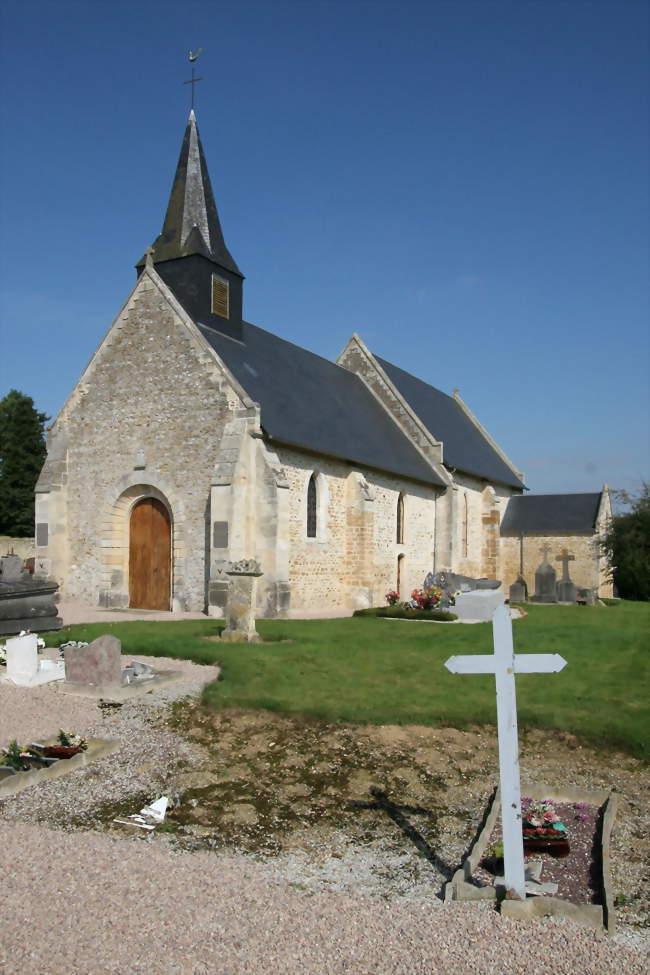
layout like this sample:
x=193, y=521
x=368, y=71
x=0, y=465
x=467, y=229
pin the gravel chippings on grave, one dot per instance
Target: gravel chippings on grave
x=150, y=754
x=282, y=856
x=108, y=905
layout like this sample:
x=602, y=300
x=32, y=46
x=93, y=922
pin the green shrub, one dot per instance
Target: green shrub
x=399, y=613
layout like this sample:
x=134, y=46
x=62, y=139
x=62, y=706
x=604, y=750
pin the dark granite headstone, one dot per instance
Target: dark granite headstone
x=98, y=663
x=545, y=576
x=518, y=590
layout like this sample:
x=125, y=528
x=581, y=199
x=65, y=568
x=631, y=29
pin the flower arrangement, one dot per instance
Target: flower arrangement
x=392, y=597
x=68, y=739
x=431, y=598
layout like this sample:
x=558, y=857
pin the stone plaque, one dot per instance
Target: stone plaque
x=220, y=534
x=42, y=533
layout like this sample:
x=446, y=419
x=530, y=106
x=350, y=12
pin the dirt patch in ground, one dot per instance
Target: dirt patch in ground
x=403, y=802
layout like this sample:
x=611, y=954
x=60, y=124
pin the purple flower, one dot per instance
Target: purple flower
x=580, y=805
x=582, y=817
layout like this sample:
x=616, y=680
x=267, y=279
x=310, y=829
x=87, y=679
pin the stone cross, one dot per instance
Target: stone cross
x=545, y=549
x=504, y=664
x=565, y=558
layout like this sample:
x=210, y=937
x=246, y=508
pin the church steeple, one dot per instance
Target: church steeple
x=192, y=223
x=190, y=254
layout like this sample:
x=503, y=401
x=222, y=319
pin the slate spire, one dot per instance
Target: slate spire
x=192, y=223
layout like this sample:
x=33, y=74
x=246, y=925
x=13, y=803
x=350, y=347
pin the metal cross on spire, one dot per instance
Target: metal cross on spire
x=193, y=80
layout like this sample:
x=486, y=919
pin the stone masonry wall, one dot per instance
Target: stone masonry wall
x=148, y=414
x=324, y=572
x=586, y=572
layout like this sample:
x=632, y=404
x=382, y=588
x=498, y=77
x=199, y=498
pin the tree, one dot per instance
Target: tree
x=22, y=454
x=627, y=546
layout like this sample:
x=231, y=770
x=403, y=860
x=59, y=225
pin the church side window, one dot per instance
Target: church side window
x=220, y=297
x=465, y=525
x=311, y=507
x=400, y=520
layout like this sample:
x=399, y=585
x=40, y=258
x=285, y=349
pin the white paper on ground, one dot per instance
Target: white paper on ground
x=156, y=810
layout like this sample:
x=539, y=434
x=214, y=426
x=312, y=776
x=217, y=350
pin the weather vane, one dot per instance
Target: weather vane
x=192, y=56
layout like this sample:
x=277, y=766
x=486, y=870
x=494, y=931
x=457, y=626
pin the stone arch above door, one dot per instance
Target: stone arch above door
x=114, y=591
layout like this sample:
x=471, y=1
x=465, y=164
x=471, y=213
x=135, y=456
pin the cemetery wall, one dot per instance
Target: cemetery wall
x=587, y=571
x=144, y=420
x=25, y=547
x=352, y=561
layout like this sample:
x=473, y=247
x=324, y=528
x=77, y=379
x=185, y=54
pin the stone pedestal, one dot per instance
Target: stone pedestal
x=240, y=608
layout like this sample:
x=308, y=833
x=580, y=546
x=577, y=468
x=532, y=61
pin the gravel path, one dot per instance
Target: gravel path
x=81, y=901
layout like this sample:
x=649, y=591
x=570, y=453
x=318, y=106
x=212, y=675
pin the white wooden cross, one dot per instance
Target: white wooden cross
x=504, y=664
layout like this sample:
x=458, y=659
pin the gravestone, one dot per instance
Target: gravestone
x=504, y=663
x=545, y=576
x=518, y=590
x=567, y=592
x=97, y=663
x=23, y=666
x=22, y=659
x=240, y=608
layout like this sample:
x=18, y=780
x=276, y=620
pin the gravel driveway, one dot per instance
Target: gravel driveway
x=83, y=900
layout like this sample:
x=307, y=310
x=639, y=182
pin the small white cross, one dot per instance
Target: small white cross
x=504, y=664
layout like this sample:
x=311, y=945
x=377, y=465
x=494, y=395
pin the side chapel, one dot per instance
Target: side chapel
x=195, y=438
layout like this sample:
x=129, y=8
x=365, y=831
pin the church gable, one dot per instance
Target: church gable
x=145, y=420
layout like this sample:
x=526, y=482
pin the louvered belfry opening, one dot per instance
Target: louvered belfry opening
x=220, y=297
x=311, y=507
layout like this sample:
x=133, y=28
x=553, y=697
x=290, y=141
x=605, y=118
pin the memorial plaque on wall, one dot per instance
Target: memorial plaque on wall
x=220, y=534
x=41, y=533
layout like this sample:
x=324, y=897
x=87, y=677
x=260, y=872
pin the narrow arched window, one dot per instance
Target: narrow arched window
x=465, y=525
x=311, y=507
x=400, y=520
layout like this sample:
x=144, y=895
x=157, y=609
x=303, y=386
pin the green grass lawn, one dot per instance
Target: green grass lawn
x=391, y=672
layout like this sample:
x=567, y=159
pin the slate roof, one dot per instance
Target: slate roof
x=464, y=446
x=551, y=514
x=309, y=402
x=192, y=223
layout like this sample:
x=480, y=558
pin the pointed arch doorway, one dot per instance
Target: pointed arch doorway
x=149, y=555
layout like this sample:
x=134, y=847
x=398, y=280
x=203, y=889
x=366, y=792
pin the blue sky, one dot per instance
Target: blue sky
x=464, y=184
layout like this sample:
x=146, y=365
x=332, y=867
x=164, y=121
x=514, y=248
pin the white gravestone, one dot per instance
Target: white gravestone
x=504, y=664
x=23, y=665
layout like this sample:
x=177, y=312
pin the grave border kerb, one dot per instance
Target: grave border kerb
x=97, y=748
x=600, y=916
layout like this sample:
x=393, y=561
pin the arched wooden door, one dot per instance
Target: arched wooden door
x=150, y=555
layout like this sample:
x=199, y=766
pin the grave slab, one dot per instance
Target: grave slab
x=479, y=604
x=120, y=693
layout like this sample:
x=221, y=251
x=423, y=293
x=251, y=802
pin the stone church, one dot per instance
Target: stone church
x=195, y=438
